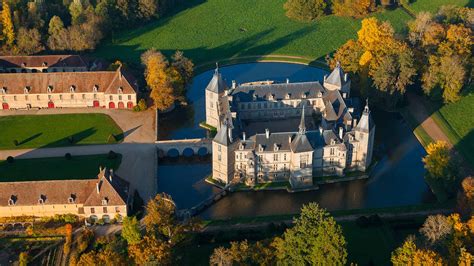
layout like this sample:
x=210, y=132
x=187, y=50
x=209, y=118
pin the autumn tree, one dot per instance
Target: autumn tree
x=438, y=161
x=151, y=250
x=131, y=230
x=315, y=239
x=352, y=8
x=465, y=201
x=184, y=66
x=157, y=79
x=23, y=259
x=221, y=257
x=58, y=36
x=7, y=24
x=410, y=254
x=305, y=10
x=147, y=9
x=29, y=41
x=436, y=231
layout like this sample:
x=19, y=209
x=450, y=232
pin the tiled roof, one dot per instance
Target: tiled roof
x=61, y=82
x=279, y=91
x=42, y=61
x=59, y=191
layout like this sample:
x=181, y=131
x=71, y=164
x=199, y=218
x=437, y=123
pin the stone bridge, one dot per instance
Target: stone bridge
x=184, y=147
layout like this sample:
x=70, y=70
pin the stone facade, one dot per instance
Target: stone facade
x=105, y=89
x=101, y=198
x=257, y=141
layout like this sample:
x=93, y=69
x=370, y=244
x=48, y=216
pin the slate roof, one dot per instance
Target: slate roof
x=217, y=83
x=365, y=122
x=61, y=82
x=42, y=61
x=336, y=77
x=222, y=136
x=334, y=105
x=279, y=91
x=59, y=191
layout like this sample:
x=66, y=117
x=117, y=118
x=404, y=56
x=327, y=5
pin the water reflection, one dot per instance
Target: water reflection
x=397, y=179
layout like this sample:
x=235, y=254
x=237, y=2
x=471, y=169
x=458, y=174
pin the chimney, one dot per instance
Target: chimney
x=234, y=84
x=229, y=131
x=346, y=77
x=267, y=133
x=111, y=171
x=289, y=139
x=325, y=77
x=344, y=95
x=243, y=136
x=97, y=187
x=354, y=122
x=341, y=132
x=320, y=130
x=287, y=80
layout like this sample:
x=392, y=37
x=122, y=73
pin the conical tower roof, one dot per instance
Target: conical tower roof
x=336, y=77
x=365, y=123
x=217, y=83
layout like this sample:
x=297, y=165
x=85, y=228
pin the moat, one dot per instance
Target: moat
x=396, y=180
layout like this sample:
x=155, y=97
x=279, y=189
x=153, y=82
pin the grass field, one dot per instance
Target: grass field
x=433, y=5
x=32, y=131
x=208, y=31
x=56, y=168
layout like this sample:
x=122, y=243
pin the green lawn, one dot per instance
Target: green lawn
x=32, y=131
x=222, y=29
x=433, y=5
x=457, y=121
x=56, y=168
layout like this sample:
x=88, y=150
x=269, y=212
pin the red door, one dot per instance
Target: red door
x=50, y=105
x=111, y=105
x=95, y=103
x=121, y=105
x=129, y=105
x=5, y=106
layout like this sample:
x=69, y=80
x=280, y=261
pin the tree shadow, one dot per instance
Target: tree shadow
x=71, y=140
x=123, y=135
x=30, y=138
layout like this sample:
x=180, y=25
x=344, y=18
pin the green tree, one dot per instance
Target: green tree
x=29, y=41
x=305, y=10
x=315, y=239
x=7, y=24
x=77, y=12
x=438, y=160
x=131, y=230
x=58, y=36
x=184, y=66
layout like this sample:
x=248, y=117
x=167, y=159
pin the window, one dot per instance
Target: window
x=26, y=97
x=3, y=90
x=219, y=147
x=111, y=98
x=37, y=97
x=72, y=96
x=92, y=210
x=249, y=106
x=49, y=97
x=104, y=201
x=83, y=96
x=14, y=98
x=104, y=209
x=284, y=156
x=275, y=157
x=303, y=161
x=95, y=88
x=120, y=97
x=219, y=157
x=332, y=151
x=129, y=97
x=60, y=97
x=275, y=167
x=95, y=96
x=50, y=89
x=117, y=209
x=72, y=89
x=120, y=90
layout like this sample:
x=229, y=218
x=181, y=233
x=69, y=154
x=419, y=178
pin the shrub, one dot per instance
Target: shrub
x=23, y=259
x=68, y=156
x=84, y=240
x=100, y=221
x=305, y=10
x=10, y=159
x=141, y=106
x=112, y=155
x=15, y=142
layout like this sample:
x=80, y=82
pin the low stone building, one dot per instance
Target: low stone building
x=292, y=132
x=106, y=89
x=42, y=63
x=101, y=198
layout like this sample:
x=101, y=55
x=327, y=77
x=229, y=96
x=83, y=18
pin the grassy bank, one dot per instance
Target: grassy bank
x=218, y=30
x=418, y=130
x=33, y=131
x=56, y=168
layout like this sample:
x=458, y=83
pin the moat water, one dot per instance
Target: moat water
x=396, y=180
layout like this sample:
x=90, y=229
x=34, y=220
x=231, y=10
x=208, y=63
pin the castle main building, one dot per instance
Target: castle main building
x=270, y=132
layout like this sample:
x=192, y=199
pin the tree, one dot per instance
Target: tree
x=23, y=259
x=221, y=257
x=58, y=36
x=184, y=66
x=437, y=161
x=29, y=41
x=466, y=197
x=151, y=251
x=315, y=239
x=305, y=10
x=147, y=8
x=77, y=12
x=7, y=24
x=157, y=79
x=409, y=254
x=131, y=230
x=348, y=55
x=436, y=229
x=353, y=8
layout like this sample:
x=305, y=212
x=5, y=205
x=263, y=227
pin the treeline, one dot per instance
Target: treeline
x=436, y=54
x=308, y=10
x=29, y=27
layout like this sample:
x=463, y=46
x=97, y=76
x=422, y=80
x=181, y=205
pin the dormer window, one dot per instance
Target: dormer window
x=3, y=90
x=44, y=64
x=333, y=142
x=288, y=95
x=105, y=201
x=254, y=97
x=50, y=89
x=304, y=95
x=260, y=147
x=320, y=94
x=72, y=89
x=41, y=199
x=241, y=146
x=120, y=90
x=23, y=64
x=27, y=89
x=71, y=198
x=11, y=200
x=95, y=88
x=275, y=147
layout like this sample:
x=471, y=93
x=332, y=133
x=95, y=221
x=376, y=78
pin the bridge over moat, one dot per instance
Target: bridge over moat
x=200, y=146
